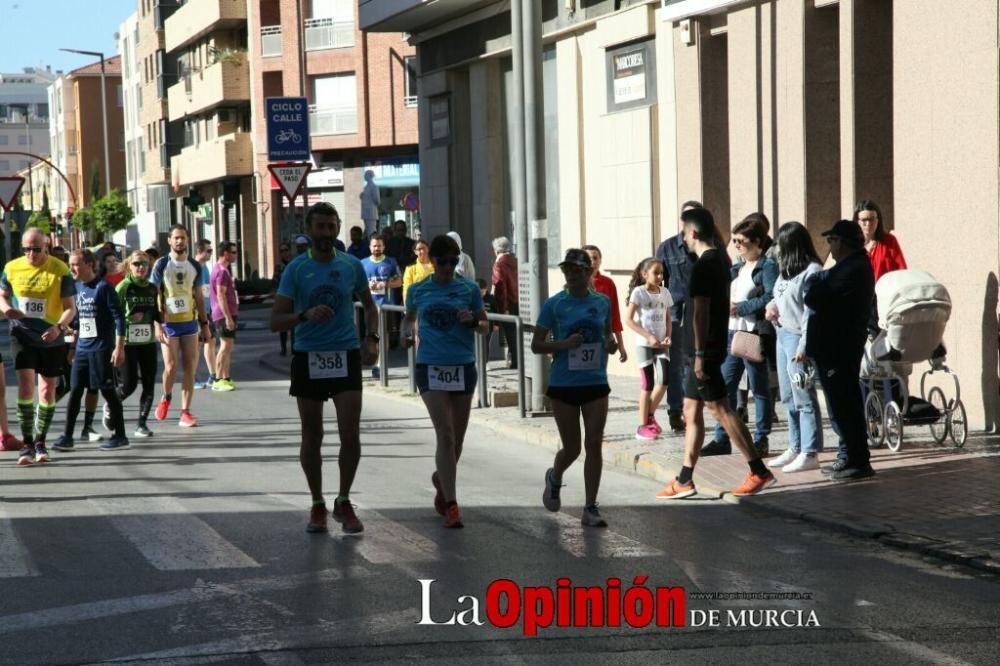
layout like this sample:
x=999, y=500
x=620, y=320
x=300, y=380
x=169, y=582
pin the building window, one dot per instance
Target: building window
x=3, y=139
x=121, y=98
x=22, y=140
x=335, y=105
x=4, y=166
x=410, y=81
x=331, y=25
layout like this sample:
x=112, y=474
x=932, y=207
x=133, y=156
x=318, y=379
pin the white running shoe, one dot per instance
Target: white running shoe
x=788, y=456
x=802, y=463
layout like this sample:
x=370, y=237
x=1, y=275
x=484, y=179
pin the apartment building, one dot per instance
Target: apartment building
x=141, y=232
x=210, y=103
x=24, y=119
x=77, y=137
x=38, y=183
x=794, y=108
x=362, y=97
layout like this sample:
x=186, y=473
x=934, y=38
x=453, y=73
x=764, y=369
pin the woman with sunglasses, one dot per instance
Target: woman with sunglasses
x=579, y=320
x=449, y=310
x=142, y=319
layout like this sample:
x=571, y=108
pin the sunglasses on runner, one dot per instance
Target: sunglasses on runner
x=140, y=264
x=27, y=250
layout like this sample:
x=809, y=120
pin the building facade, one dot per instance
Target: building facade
x=210, y=104
x=796, y=108
x=361, y=89
x=77, y=135
x=24, y=121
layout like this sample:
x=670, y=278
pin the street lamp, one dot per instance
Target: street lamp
x=104, y=115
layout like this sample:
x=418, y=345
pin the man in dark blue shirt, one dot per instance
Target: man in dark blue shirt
x=841, y=301
x=100, y=345
x=677, y=263
x=358, y=247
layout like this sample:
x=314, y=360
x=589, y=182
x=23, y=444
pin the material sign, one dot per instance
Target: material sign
x=10, y=186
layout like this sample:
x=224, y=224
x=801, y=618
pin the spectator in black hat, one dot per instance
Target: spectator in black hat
x=841, y=301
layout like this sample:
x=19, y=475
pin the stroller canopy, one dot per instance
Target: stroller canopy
x=913, y=308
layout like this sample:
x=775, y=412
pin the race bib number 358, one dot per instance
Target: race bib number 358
x=585, y=357
x=327, y=365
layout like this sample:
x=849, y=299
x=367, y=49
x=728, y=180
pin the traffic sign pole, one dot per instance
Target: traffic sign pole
x=288, y=138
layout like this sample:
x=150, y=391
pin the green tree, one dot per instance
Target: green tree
x=39, y=219
x=83, y=219
x=45, y=201
x=111, y=213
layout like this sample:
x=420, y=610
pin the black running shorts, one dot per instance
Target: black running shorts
x=313, y=388
x=710, y=389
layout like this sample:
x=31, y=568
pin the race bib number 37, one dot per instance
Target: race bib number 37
x=33, y=307
x=327, y=365
x=585, y=357
x=446, y=378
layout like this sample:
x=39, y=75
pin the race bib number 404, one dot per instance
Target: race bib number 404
x=327, y=365
x=33, y=307
x=446, y=378
x=585, y=357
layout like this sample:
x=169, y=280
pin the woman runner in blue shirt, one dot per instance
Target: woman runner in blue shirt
x=579, y=320
x=450, y=312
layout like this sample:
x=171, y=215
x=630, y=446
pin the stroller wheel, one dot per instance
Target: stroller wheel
x=939, y=429
x=893, y=426
x=958, y=425
x=875, y=420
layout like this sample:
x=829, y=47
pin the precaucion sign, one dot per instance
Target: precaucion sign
x=287, y=129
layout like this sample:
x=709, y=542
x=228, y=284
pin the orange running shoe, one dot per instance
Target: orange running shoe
x=753, y=484
x=162, y=409
x=453, y=517
x=10, y=443
x=187, y=420
x=317, y=519
x=677, y=490
x=343, y=513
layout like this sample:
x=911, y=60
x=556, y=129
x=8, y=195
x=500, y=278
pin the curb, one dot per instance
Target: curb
x=627, y=460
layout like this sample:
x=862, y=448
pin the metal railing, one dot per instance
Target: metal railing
x=327, y=33
x=482, y=354
x=333, y=120
x=270, y=40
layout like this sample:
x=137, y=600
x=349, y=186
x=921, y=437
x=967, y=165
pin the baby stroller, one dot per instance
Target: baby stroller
x=913, y=310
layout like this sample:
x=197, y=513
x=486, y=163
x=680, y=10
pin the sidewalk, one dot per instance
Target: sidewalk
x=937, y=500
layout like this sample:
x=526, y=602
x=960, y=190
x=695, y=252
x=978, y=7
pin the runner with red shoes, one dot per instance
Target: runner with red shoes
x=315, y=298
x=449, y=310
x=185, y=322
x=707, y=322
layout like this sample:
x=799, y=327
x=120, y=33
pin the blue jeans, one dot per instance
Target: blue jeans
x=757, y=374
x=677, y=368
x=805, y=419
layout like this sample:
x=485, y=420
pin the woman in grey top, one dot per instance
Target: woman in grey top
x=797, y=260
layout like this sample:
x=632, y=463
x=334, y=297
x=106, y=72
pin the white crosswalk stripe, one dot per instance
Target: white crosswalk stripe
x=15, y=561
x=169, y=537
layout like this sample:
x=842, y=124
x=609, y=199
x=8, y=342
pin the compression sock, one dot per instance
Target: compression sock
x=43, y=419
x=758, y=467
x=685, y=475
x=26, y=415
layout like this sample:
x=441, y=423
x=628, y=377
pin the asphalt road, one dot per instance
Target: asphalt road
x=190, y=548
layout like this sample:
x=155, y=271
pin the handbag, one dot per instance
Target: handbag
x=747, y=345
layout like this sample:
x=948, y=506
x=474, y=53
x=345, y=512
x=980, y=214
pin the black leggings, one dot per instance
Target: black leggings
x=140, y=360
x=110, y=397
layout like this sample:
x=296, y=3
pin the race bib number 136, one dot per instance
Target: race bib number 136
x=33, y=307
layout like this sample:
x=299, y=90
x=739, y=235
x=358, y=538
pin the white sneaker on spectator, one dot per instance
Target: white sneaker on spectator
x=788, y=456
x=802, y=463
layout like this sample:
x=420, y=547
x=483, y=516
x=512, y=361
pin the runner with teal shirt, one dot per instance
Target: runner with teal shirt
x=579, y=320
x=449, y=310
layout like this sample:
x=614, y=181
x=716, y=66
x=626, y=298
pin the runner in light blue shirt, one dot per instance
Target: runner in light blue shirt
x=449, y=310
x=579, y=320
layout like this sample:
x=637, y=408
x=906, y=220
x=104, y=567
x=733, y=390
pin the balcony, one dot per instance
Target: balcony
x=332, y=120
x=162, y=10
x=270, y=40
x=194, y=20
x=228, y=156
x=220, y=84
x=327, y=33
